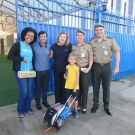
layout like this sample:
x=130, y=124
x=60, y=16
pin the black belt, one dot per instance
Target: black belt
x=43, y=71
x=102, y=64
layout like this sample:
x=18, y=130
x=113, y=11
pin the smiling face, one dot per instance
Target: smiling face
x=62, y=39
x=43, y=38
x=28, y=37
x=99, y=31
x=79, y=37
x=72, y=60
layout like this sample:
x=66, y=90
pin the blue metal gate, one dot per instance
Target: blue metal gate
x=123, y=30
x=53, y=16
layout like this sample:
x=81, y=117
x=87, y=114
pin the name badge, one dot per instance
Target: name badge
x=105, y=52
x=82, y=54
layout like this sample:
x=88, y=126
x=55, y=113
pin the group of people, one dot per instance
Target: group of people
x=72, y=66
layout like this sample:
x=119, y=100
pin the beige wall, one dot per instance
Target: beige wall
x=0, y=45
x=9, y=42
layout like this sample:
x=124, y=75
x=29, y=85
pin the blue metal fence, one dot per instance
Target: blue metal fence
x=54, y=16
x=123, y=30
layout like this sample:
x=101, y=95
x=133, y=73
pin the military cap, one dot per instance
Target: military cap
x=81, y=31
x=98, y=25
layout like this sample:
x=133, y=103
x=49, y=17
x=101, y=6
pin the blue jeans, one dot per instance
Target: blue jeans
x=24, y=101
x=42, y=79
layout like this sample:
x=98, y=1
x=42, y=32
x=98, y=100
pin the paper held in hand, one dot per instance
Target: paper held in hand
x=83, y=69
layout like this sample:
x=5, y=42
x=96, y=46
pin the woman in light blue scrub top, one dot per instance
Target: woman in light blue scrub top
x=21, y=54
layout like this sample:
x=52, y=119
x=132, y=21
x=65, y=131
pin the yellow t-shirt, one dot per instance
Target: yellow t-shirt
x=71, y=77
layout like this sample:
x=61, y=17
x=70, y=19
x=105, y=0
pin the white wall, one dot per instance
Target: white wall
x=122, y=7
x=109, y=5
x=134, y=10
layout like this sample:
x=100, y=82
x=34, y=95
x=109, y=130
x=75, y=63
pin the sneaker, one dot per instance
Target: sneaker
x=69, y=113
x=75, y=114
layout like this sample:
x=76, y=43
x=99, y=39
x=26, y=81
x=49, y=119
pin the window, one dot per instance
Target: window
x=111, y=5
x=125, y=4
x=118, y=5
x=130, y=7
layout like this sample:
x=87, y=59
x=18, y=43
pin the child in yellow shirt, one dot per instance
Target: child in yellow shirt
x=72, y=81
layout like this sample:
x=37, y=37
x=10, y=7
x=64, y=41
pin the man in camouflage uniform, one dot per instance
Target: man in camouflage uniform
x=102, y=47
